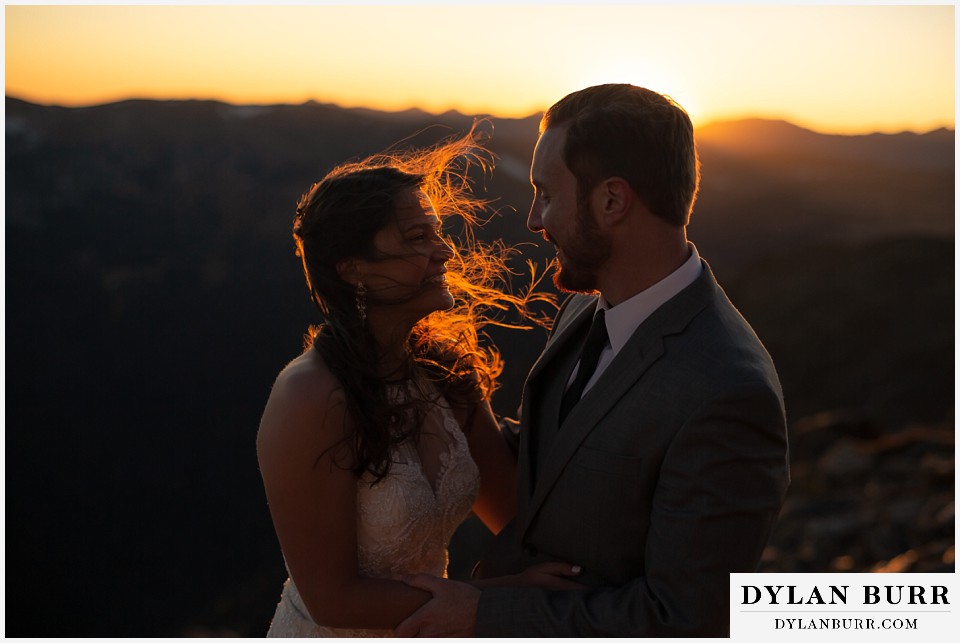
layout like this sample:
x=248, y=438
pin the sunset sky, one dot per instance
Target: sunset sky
x=837, y=68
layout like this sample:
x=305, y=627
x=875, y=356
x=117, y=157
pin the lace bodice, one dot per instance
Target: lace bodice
x=403, y=525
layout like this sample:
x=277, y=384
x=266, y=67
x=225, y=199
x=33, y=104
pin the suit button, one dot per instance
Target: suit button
x=530, y=550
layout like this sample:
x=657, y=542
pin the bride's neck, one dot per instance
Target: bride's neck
x=392, y=348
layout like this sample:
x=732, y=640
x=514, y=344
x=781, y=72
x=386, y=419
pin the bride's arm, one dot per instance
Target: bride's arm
x=313, y=502
x=496, y=504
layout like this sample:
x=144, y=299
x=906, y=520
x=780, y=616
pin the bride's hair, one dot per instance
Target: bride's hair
x=336, y=220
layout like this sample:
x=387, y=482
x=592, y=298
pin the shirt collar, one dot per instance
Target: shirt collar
x=624, y=318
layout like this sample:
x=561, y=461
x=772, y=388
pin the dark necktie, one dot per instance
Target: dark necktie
x=589, y=356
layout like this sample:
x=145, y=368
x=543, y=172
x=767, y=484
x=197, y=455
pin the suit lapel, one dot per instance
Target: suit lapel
x=578, y=310
x=643, y=349
x=572, y=316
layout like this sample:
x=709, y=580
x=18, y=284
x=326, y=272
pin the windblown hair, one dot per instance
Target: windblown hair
x=336, y=220
x=636, y=134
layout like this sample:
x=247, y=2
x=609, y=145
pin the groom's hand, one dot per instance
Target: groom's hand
x=451, y=612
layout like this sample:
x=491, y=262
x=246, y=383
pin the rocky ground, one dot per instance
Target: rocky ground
x=866, y=498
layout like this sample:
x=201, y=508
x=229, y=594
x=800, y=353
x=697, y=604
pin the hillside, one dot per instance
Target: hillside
x=153, y=294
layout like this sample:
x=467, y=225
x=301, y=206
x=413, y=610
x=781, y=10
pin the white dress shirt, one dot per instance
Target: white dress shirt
x=624, y=318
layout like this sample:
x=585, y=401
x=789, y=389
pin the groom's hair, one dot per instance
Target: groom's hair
x=633, y=133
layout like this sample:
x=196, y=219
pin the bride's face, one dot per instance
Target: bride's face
x=406, y=279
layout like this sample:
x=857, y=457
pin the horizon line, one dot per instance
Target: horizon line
x=536, y=114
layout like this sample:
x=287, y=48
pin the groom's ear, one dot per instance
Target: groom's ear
x=612, y=200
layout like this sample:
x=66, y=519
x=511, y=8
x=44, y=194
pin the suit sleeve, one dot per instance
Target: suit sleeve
x=721, y=486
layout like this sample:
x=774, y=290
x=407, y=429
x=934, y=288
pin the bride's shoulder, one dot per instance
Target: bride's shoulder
x=305, y=397
x=307, y=374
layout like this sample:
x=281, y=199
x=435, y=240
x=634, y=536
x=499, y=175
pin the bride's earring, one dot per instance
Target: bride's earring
x=361, y=296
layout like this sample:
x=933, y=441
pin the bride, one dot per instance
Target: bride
x=379, y=439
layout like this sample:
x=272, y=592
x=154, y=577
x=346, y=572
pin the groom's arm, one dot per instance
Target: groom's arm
x=720, y=489
x=452, y=610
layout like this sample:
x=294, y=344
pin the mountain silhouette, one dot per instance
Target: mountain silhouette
x=757, y=137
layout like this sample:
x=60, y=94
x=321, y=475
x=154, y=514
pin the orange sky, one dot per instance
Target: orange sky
x=843, y=68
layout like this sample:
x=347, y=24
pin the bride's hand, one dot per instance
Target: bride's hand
x=549, y=576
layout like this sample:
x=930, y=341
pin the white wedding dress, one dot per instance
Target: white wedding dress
x=403, y=525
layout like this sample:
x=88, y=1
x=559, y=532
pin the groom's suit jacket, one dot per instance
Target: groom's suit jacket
x=666, y=477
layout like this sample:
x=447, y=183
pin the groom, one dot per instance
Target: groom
x=653, y=446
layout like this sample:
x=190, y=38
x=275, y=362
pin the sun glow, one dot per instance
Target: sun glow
x=868, y=68
x=660, y=79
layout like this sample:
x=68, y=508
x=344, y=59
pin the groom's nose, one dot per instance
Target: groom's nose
x=534, y=223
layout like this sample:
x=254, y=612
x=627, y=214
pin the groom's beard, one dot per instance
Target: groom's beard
x=583, y=253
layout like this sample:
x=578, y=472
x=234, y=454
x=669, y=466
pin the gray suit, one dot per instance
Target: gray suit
x=666, y=477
